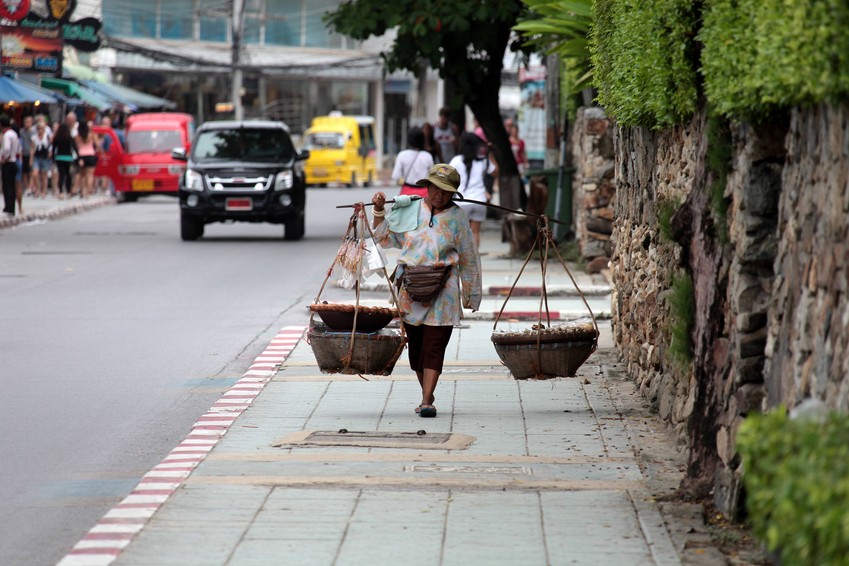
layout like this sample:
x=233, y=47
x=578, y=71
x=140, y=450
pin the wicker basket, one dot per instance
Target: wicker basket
x=547, y=353
x=372, y=354
x=340, y=316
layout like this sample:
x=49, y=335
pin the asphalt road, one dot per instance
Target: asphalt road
x=115, y=336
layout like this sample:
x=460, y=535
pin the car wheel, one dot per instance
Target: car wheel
x=294, y=228
x=191, y=227
x=322, y=185
x=127, y=197
x=369, y=180
x=353, y=182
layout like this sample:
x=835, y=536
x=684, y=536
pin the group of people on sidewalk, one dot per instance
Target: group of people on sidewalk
x=469, y=153
x=38, y=159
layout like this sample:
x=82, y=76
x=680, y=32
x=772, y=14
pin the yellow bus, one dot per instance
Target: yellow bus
x=342, y=150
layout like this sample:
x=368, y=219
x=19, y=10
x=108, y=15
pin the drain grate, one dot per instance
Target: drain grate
x=378, y=439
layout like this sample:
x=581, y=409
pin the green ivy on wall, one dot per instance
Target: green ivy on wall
x=759, y=55
x=643, y=57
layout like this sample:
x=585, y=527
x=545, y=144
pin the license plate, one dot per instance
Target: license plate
x=238, y=204
x=142, y=184
x=319, y=172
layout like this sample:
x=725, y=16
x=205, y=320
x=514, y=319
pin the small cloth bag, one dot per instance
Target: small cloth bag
x=423, y=283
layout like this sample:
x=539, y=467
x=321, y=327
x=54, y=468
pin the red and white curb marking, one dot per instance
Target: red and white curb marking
x=112, y=533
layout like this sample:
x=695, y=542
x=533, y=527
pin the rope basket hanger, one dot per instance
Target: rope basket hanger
x=360, y=353
x=544, y=351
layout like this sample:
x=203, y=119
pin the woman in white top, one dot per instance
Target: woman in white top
x=472, y=169
x=412, y=164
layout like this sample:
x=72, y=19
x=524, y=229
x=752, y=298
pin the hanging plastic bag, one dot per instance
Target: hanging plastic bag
x=374, y=259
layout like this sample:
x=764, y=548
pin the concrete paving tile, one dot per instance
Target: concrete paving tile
x=389, y=548
x=260, y=552
x=318, y=530
x=482, y=529
x=391, y=527
x=593, y=527
x=202, y=546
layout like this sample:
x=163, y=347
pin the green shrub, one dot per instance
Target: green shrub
x=666, y=209
x=759, y=55
x=643, y=58
x=796, y=474
x=682, y=310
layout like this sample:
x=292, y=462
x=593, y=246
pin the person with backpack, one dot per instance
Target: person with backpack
x=473, y=169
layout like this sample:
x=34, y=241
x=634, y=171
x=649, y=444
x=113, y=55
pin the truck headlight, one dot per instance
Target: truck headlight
x=176, y=169
x=194, y=180
x=129, y=169
x=284, y=180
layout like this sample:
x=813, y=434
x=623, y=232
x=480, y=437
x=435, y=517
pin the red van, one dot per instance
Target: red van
x=146, y=166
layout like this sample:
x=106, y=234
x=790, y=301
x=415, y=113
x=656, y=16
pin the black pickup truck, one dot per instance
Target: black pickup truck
x=245, y=171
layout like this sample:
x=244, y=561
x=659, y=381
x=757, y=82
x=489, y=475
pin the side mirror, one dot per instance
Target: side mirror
x=363, y=151
x=179, y=153
x=303, y=155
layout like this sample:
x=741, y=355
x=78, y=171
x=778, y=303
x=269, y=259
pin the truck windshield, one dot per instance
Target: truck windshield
x=262, y=145
x=153, y=141
x=325, y=140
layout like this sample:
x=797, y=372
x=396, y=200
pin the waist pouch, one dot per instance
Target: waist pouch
x=423, y=282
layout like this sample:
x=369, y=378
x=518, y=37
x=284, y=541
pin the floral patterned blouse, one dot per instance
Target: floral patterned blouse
x=448, y=242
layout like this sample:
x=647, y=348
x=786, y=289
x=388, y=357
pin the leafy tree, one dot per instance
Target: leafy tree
x=561, y=27
x=465, y=40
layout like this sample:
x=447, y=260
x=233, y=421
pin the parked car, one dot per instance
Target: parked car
x=342, y=150
x=111, y=158
x=244, y=171
x=147, y=167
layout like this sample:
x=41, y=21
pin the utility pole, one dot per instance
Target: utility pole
x=236, y=57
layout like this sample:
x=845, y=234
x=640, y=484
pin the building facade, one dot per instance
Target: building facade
x=294, y=68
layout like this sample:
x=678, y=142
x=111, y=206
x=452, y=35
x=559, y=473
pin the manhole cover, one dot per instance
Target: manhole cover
x=378, y=439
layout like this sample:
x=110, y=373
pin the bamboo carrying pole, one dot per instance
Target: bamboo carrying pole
x=461, y=199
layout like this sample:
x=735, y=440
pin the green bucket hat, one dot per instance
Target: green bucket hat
x=443, y=176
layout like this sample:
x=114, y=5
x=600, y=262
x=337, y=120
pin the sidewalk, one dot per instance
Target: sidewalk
x=36, y=209
x=564, y=471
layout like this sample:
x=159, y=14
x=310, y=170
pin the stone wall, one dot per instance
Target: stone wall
x=808, y=328
x=753, y=190
x=593, y=186
x=774, y=327
x=651, y=168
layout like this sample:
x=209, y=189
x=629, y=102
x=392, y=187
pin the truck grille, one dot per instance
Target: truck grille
x=239, y=184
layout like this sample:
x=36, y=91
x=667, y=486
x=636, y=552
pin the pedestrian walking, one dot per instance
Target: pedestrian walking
x=41, y=163
x=473, y=168
x=430, y=144
x=412, y=163
x=9, y=151
x=517, y=145
x=87, y=147
x=447, y=135
x=25, y=135
x=63, y=158
x=434, y=236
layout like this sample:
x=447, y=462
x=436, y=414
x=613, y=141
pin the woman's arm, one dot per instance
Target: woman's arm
x=470, y=267
x=379, y=208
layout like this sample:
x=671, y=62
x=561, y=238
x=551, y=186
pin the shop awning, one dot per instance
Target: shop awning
x=130, y=96
x=88, y=96
x=22, y=93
